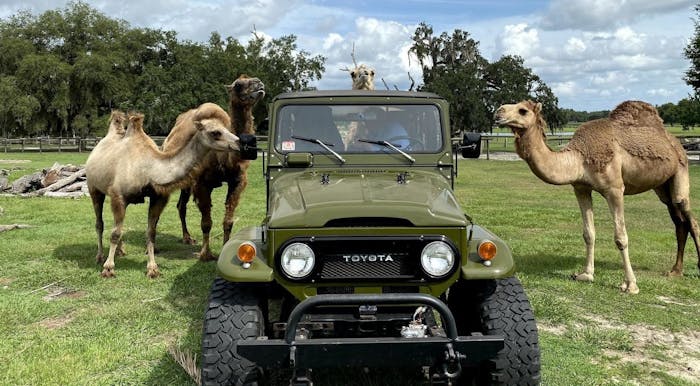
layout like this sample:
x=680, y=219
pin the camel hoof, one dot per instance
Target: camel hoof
x=121, y=252
x=107, y=273
x=152, y=273
x=100, y=259
x=206, y=256
x=630, y=288
x=674, y=273
x=189, y=240
x=584, y=276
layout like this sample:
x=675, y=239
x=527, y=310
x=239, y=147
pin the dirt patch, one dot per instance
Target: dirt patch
x=6, y=281
x=675, y=353
x=57, y=292
x=57, y=322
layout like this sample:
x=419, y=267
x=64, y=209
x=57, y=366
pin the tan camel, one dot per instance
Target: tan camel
x=134, y=168
x=218, y=168
x=627, y=153
x=362, y=76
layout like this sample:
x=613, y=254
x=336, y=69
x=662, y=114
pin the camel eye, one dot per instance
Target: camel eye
x=522, y=112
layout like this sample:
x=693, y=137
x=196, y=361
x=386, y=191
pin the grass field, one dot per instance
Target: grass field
x=62, y=324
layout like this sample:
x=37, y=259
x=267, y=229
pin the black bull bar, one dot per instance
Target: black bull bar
x=371, y=352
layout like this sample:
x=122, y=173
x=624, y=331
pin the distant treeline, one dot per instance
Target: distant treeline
x=62, y=72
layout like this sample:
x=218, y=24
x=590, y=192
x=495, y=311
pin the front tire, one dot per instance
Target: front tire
x=499, y=307
x=235, y=311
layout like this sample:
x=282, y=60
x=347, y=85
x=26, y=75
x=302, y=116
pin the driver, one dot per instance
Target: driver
x=380, y=129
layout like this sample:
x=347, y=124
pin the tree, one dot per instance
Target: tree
x=688, y=112
x=692, y=52
x=68, y=68
x=454, y=68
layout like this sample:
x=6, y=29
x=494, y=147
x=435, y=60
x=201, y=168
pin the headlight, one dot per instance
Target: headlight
x=297, y=260
x=437, y=258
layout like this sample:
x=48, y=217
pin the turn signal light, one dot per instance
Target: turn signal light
x=246, y=252
x=487, y=250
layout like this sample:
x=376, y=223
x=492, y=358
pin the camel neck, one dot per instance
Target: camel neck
x=553, y=167
x=241, y=119
x=174, y=166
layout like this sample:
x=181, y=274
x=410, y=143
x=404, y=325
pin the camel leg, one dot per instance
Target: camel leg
x=155, y=208
x=182, y=211
x=615, y=199
x=118, y=211
x=98, y=200
x=202, y=196
x=233, y=197
x=680, y=224
x=585, y=203
x=680, y=196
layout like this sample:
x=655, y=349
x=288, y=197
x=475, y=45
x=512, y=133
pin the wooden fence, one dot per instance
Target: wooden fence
x=54, y=144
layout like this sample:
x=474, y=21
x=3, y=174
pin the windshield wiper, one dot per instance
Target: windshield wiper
x=323, y=145
x=390, y=146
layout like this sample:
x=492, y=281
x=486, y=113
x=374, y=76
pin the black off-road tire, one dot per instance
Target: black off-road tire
x=235, y=311
x=499, y=307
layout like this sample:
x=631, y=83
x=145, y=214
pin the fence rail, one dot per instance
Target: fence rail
x=54, y=144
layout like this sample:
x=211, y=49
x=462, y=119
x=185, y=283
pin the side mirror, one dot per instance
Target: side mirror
x=471, y=145
x=249, y=146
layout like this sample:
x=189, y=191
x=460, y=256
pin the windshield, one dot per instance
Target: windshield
x=359, y=129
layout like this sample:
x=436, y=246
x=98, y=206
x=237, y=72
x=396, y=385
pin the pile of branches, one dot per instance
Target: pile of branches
x=58, y=181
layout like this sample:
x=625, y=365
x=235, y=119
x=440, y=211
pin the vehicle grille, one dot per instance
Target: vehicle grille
x=381, y=259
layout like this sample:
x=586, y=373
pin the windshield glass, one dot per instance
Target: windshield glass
x=359, y=128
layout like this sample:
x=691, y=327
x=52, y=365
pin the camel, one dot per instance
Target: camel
x=629, y=152
x=362, y=76
x=218, y=168
x=134, y=168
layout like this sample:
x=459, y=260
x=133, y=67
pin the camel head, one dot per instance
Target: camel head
x=117, y=122
x=520, y=117
x=362, y=78
x=246, y=90
x=214, y=128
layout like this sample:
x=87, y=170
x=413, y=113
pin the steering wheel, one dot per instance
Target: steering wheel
x=414, y=143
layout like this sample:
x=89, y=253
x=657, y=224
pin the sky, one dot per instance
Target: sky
x=594, y=54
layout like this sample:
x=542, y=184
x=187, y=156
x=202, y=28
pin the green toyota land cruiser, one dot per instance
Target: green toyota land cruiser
x=365, y=258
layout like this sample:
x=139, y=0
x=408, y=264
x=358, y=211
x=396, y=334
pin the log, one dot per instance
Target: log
x=75, y=194
x=57, y=185
x=27, y=183
x=52, y=175
x=5, y=228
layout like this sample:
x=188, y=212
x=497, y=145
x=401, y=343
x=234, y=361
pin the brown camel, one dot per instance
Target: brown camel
x=218, y=168
x=134, y=168
x=627, y=153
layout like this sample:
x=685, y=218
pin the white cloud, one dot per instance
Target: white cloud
x=592, y=15
x=518, y=39
x=567, y=88
x=575, y=46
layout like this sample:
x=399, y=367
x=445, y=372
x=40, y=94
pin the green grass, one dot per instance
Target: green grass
x=97, y=331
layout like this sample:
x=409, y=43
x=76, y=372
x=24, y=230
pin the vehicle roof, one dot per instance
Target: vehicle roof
x=357, y=93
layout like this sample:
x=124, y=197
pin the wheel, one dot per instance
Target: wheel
x=235, y=311
x=499, y=307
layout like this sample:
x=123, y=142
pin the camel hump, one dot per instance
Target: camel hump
x=135, y=123
x=210, y=110
x=117, y=122
x=637, y=113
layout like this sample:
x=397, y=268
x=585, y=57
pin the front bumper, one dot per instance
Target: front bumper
x=451, y=350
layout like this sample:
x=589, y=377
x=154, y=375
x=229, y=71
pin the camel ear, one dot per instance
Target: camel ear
x=538, y=108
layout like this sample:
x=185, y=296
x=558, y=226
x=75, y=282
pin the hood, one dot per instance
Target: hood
x=312, y=199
